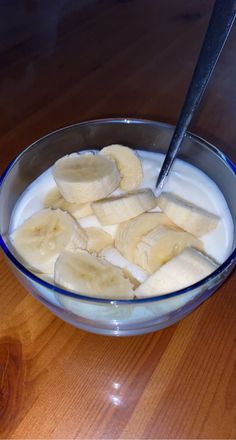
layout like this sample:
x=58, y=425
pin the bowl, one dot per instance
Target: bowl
x=103, y=316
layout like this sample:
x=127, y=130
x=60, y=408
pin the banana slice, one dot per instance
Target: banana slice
x=97, y=239
x=129, y=233
x=118, y=209
x=135, y=273
x=84, y=178
x=42, y=237
x=92, y=222
x=160, y=245
x=186, y=215
x=55, y=200
x=128, y=164
x=86, y=274
x=185, y=269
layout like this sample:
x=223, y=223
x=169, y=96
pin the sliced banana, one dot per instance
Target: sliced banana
x=86, y=274
x=182, y=271
x=186, y=215
x=135, y=273
x=85, y=178
x=55, y=200
x=97, y=239
x=42, y=237
x=121, y=208
x=135, y=283
x=92, y=222
x=129, y=233
x=161, y=244
x=128, y=164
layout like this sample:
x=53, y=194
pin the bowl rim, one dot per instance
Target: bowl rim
x=124, y=120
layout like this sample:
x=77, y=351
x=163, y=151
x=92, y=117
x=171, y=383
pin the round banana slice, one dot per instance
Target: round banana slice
x=134, y=272
x=85, y=178
x=55, y=200
x=128, y=164
x=42, y=237
x=97, y=239
x=184, y=270
x=130, y=232
x=118, y=209
x=86, y=274
x=92, y=222
x=186, y=215
x=161, y=244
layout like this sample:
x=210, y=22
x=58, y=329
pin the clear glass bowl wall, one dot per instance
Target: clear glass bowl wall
x=118, y=318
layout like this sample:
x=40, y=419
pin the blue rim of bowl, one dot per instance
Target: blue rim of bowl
x=227, y=263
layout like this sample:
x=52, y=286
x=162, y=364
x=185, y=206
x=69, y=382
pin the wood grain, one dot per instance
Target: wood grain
x=63, y=61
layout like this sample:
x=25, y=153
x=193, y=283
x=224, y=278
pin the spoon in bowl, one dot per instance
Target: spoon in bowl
x=219, y=27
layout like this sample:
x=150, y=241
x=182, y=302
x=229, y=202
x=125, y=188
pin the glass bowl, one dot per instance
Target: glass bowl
x=109, y=317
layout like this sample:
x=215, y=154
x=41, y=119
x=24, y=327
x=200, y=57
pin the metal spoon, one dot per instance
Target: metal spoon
x=219, y=27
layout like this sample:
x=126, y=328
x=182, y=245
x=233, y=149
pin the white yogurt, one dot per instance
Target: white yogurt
x=186, y=181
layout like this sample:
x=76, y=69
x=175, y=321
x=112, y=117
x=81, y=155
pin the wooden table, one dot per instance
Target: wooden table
x=64, y=61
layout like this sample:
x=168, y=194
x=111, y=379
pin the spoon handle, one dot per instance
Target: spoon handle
x=218, y=30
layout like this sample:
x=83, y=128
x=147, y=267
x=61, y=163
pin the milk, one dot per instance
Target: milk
x=184, y=180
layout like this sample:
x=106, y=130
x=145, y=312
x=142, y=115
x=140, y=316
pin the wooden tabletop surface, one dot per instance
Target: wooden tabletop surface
x=64, y=61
